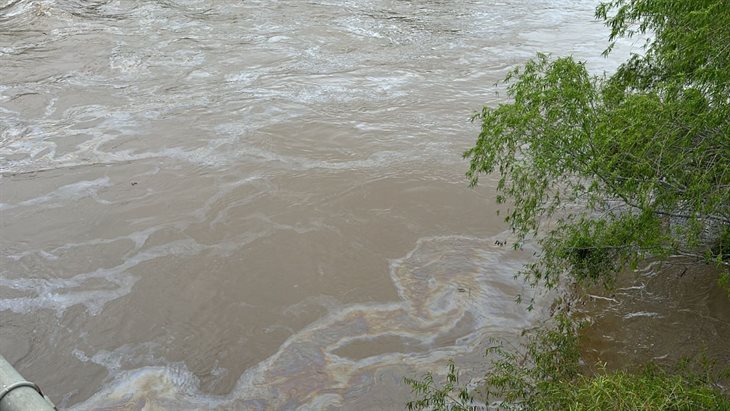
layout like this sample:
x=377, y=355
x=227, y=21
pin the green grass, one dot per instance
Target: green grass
x=652, y=389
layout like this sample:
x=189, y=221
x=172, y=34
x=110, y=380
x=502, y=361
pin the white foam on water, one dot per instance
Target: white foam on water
x=641, y=314
x=74, y=191
x=59, y=294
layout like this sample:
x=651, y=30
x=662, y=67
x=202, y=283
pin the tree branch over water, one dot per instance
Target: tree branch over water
x=655, y=136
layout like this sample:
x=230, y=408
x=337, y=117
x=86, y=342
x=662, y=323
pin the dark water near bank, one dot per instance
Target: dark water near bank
x=665, y=314
x=255, y=204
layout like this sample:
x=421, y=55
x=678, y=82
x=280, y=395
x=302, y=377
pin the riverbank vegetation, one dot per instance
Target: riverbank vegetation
x=604, y=172
x=546, y=374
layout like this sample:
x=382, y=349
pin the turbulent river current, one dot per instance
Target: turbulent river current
x=256, y=205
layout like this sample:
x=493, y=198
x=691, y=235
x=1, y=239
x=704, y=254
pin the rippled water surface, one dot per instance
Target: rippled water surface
x=255, y=204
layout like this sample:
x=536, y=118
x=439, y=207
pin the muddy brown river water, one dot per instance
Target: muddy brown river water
x=256, y=205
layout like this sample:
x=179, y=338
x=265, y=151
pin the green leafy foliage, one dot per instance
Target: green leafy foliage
x=449, y=396
x=519, y=377
x=604, y=171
